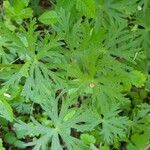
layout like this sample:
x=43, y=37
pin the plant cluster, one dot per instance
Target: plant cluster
x=74, y=74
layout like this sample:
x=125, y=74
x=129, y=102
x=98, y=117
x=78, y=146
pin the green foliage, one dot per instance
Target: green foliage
x=68, y=119
x=16, y=10
x=75, y=76
x=86, y=7
x=113, y=126
x=49, y=17
x=5, y=109
x=88, y=139
x=11, y=139
x=139, y=141
x=1, y=145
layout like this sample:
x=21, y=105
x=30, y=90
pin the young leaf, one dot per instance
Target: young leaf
x=49, y=17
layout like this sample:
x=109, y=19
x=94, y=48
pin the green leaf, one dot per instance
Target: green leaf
x=74, y=84
x=141, y=117
x=6, y=110
x=137, y=78
x=10, y=138
x=139, y=141
x=69, y=115
x=49, y=17
x=105, y=147
x=19, y=144
x=113, y=126
x=1, y=145
x=88, y=139
x=17, y=10
x=86, y=7
x=61, y=126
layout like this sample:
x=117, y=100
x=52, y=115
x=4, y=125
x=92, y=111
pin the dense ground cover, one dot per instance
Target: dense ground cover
x=74, y=74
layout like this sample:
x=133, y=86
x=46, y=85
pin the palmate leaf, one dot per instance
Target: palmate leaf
x=141, y=117
x=85, y=7
x=15, y=79
x=114, y=127
x=64, y=23
x=111, y=77
x=27, y=43
x=114, y=11
x=35, y=71
x=112, y=68
x=39, y=83
x=63, y=123
x=38, y=80
x=120, y=41
x=101, y=61
x=90, y=52
x=17, y=42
